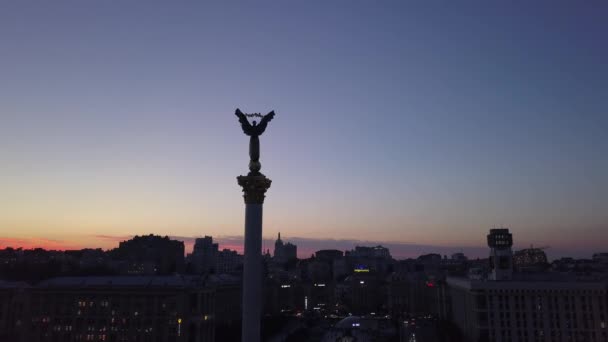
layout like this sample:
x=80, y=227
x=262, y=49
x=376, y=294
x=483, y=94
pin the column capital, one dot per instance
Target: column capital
x=254, y=188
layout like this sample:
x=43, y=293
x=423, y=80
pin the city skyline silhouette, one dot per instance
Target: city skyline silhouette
x=425, y=124
x=433, y=171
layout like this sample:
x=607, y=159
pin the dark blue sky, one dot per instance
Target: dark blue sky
x=409, y=122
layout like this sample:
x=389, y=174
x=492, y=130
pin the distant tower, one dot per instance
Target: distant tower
x=278, y=248
x=501, y=255
x=284, y=252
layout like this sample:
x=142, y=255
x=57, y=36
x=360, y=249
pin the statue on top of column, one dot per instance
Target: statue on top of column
x=254, y=131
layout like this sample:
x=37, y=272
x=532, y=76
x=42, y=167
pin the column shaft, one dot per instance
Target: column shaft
x=252, y=274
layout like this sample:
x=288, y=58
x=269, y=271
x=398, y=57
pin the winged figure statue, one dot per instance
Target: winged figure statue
x=254, y=130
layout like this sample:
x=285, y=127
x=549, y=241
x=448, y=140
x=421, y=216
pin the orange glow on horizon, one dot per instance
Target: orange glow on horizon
x=48, y=244
x=98, y=241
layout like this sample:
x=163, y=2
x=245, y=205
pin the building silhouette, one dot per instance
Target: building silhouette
x=501, y=255
x=149, y=254
x=229, y=261
x=204, y=255
x=120, y=308
x=284, y=252
x=13, y=311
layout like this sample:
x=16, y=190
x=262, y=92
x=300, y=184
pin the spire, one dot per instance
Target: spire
x=278, y=244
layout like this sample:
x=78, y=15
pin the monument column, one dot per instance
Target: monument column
x=254, y=187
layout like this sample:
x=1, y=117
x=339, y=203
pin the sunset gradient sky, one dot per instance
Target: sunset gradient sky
x=411, y=123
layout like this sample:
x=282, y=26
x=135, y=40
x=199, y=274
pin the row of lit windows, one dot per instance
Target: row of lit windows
x=112, y=321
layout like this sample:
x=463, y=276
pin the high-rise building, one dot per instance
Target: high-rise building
x=501, y=255
x=369, y=252
x=278, y=246
x=290, y=251
x=527, y=307
x=377, y=259
x=149, y=254
x=229, y=261
x=204, y=255
x=122, y=308
x=516, y=311
x=334, y=259
x=284, y=252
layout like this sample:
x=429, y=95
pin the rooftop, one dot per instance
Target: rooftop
x=547, y=283
x=122, y=281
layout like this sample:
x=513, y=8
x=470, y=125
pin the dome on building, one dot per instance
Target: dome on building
x=530, y=258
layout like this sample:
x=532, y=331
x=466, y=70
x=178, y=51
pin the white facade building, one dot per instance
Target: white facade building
x=530, y=310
